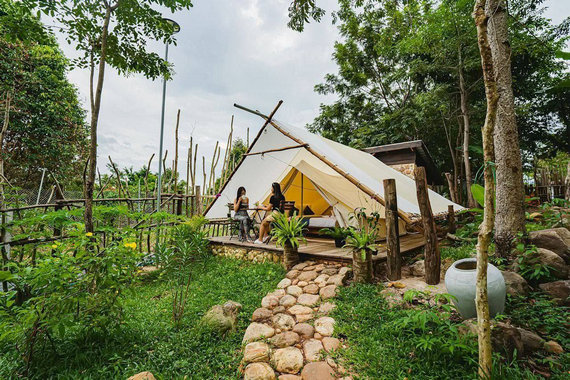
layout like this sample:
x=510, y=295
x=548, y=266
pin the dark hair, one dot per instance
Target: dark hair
x=277, y=190
x=240, y=189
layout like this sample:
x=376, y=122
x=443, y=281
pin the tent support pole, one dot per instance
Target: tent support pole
x=302, y=189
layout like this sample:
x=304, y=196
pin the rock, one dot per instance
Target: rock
x=256, y=352
x=307, y=276
x=279, y=309
x=288, y=360
x=277, y=293
x=222, y=318
x=515, y=283
x=418, y=268
x=553, y=347
x=330, y=344
x=547, y=257
x=285, y=339
x=300, y=266
x=558, y=290
x=299, y=309
x=146, y=375
x=326, y=307
x=327, y=292
x=292, y=274
x=302, y=284
x=344, y=271
x=324, y=326
x=531, y=341
x=337, y=279
x=284, y=283
x=311, y=289
x=256, y=331
x=283, y=321
x=289, y=377
x=303, y=317
x=321, y=279
x=305, y=330
x=393, y=297
x=319, y=267
x=287, y=301
x=294, y=290
x=317, y=371
x=269, y=302
x=258, y=371
x=308, y=299
x=556, y=240
x=261, y=314
x=312, y=349
x=506, y=338
x=318, y=336
x=329, y=271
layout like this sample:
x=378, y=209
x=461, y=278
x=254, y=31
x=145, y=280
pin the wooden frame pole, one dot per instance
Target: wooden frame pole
x=394, y=258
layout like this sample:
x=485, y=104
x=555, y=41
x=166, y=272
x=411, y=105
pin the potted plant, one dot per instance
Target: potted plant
x=339, y=234
x=362, y=243
x=288, y=233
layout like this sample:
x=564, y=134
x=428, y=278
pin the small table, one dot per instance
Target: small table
x=257, y=214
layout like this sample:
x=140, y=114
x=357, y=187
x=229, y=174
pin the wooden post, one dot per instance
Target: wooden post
x=198, y=201
x=431, y=249
x=452, y=189
x=179, y=203
x=451, y=219
x=394, y=260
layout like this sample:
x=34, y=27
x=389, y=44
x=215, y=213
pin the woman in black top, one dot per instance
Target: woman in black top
x=241, y=204
x=275, y=205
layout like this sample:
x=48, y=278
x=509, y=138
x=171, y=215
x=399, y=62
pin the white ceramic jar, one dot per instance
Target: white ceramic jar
x=460, y=281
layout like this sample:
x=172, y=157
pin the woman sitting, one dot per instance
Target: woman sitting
x=275, y=205
x=241, y=204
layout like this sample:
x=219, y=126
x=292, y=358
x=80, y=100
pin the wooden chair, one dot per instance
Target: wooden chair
x=235, y=224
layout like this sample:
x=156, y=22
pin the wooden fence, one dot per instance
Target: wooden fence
x=548, y=183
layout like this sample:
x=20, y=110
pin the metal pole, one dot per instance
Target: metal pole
x=41, y=186
x=158, y=190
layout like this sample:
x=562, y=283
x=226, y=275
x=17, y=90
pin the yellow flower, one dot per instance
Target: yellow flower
x=132, y=245
x=89, y=234
x=54, y=246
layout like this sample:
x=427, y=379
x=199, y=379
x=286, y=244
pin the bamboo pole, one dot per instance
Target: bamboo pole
x=394, y=259
x=175, y=173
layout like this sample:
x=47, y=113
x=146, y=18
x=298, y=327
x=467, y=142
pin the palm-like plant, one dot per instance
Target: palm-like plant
x=362, y=242
x=288, y=233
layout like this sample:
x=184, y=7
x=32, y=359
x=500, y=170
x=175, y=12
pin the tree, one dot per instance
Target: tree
x=44, y=121
x=113, y=33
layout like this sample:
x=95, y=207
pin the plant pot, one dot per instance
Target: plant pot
x=290, y=256
x=460, y=281
x=339, y=242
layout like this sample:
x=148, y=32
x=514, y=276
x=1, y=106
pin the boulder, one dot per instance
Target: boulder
x=300, y=309
x=257, y=331
x=330, y=344
x=325, y=326
x=288, y=360
x=261, y=314
x=258, y=371
x=269, y=302
x=256, y=352
x=285, y=339
x=305, y=330
x=146, y=375
x=558, y=290
x=284, y=283
x=418, y=268
x=294, y=290
x=327, y=292
x=312, y=349
x=308, y=276
x=547, y=257
x=506, y=338
x=337, y=279
x=531, y=341
x=329, y=271
x=292, y=274
x=515, y=283
x=556, y=240
x=222, y=318
x=318, y=371
x=287, y=301
x=311, y=289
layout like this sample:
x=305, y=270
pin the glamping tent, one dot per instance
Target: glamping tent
x=326, y=179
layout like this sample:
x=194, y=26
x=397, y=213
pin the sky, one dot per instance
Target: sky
x=227, y=52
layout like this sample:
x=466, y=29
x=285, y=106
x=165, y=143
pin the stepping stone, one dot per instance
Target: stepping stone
x=319, y=267
x=283, y=321
x=337, y=279
x=317, y=371
x=279, y=309
x=329, y=271
x=330, y=344
x=292, y=274
x=277, y=293
x=269, y=302
x=309, y=268
x=284, y=283
x=327, y=292
x=302, y=283
x=261, y=314
x=324, y=326
x=258, y=371
x=288, y=301
x=285, y=339
x=308, y=299
x=294, y=290
x=326, y=307
x=288, y=360
x=300, y=266
x=305, y=330
x=257, y=331
x=289, y=377
x=322, y=279
x=312, y=349
x=299, y=309
x=307, y=276
x=256, y=352
x=303, y=317
x=344, y=271
x=311, y=289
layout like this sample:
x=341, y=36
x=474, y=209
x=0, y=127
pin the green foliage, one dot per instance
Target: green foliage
x=288, y=230
x=362, y=241
x=336, y=232
x=478, y=193
x=146, y=340
x=530, y=265
x=463, y=251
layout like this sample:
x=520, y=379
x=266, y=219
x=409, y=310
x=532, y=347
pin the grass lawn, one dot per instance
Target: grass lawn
x=420, y=343
x=147, y=341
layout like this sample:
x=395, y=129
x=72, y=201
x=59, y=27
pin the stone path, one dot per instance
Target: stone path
x=291, y=332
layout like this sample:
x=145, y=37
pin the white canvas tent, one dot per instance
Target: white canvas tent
x=330, y=178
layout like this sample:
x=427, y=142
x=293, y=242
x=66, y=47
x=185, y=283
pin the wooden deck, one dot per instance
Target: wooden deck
x=320, y=248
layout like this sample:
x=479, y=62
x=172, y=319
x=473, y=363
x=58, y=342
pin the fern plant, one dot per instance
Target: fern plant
x=288, y=230
x=362, y=241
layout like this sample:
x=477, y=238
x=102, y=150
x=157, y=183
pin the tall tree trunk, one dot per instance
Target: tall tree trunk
x=510, y=190
x=466, y=132
x=96, y=106
x=567, y=183
x=486, y=227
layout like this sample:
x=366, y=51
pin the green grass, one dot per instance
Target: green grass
x=457, y=253
x=419, y=343
x=147, y=341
